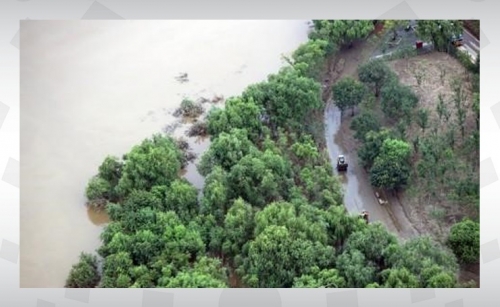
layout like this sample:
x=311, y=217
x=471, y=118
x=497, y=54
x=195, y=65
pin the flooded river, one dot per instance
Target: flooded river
x=93, y=88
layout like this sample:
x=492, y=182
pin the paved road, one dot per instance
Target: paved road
x=471, y=42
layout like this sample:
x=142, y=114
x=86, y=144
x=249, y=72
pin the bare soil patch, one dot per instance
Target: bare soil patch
x=431, y=76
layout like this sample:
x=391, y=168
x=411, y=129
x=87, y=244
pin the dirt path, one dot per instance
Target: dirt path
x=359, y=195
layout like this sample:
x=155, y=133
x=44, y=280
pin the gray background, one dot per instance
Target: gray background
x=12, y=11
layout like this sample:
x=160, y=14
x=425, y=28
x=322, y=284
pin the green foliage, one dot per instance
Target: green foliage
x=206, y=273
x=355, y=268
x=399, y=278
x=288, y=97
x=464, y=241
x=375, y=74
x=397, y=100
x=370, y=149
x=277, y=250
x=101, y=188
x=348, y=93
x=226, y=151
x=216, y=194
x=237, y=114
x=327, y=278
x=98, y=191
x=182, y=198
x=364, y=123
x=310, y=57
x=341, y=32
x=239, y=226
x=156, y=161
x=420, y=253
x=391, y=168
x=84, y=274
x=260, y=178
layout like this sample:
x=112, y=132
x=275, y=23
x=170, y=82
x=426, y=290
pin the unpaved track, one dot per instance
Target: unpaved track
x=358, y=193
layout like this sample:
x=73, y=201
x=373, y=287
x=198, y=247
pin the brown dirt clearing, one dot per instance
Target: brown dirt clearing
x=436, y=71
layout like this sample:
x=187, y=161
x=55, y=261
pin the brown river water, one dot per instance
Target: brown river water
x=93, y=88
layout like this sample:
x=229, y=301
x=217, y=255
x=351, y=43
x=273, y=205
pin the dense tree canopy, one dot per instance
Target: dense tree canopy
x=341, y=32
x=348, y=93
x=288, y=97
x=310, y=57
x=271, y=212
x=375, y=74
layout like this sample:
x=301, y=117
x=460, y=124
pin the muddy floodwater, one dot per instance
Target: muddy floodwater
x=93, y=88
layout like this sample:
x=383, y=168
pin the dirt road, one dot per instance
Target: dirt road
x=359, y=194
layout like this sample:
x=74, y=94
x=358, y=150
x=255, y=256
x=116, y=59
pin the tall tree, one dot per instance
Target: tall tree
x=375, y=74
x=348, y=93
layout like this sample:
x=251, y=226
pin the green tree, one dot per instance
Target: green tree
x=156, y=161
x=391, y=168
x=98, y=192
x=399, y=278
x=206, y=273
x=434, y=276
x=312, y=227
x=464, y=241
x=260, y=178
x=288, y=97
x=216, y=194
x=375, y=74
x=420, y=253
x=348, y=93
x=370, y=149
x=226, y=151
x=397, y=100
x=355, y=268
x=182, y=198
x=85, y=273
x=310, y=57
x=239, y=225
x=237, y=114
x=372, y=242
x=364, y=123
x=275, y=258
x=111, y=170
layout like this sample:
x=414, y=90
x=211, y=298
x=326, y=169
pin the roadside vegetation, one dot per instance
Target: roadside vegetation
x=418, y=134
x=271, y=212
